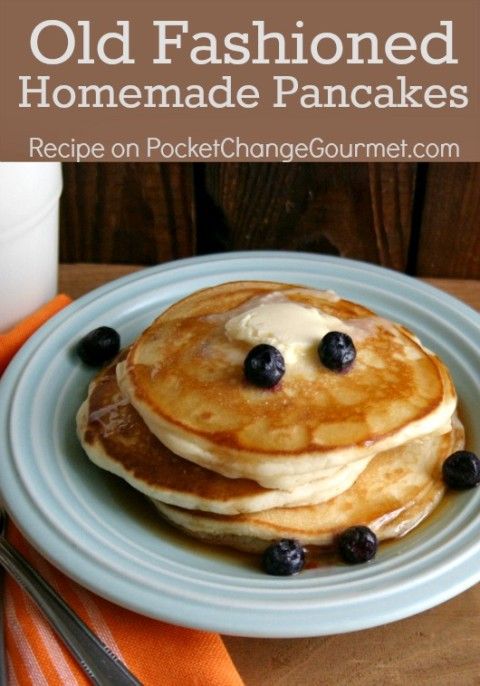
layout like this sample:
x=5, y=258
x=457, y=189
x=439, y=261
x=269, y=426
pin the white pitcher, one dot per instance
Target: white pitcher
x=29, y=210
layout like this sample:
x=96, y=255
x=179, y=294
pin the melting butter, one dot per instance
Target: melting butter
x=290, y=327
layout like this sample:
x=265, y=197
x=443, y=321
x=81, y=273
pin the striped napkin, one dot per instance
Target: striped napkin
x=159, y=654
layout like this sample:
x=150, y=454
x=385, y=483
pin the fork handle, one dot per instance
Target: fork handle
x=99, y=663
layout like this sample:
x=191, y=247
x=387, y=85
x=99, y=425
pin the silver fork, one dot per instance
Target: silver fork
x=3, y=656
x=99, y=663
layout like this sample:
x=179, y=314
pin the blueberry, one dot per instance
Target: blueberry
x=99, y=346
x=336, y=351
x=283, y=558
x=461, y=470
x=357, y=544
x=264, y=366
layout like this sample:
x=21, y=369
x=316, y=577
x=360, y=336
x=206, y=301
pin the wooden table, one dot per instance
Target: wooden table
x=438, y=647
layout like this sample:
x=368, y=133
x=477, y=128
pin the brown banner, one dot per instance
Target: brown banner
x=227, y=81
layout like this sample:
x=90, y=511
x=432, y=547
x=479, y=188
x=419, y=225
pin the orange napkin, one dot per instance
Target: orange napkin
x=13, y=339
x=159, y=654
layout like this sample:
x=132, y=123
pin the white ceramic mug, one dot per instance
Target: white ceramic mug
x=29, y=208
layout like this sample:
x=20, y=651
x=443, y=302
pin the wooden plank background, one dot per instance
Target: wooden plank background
x=423, y=219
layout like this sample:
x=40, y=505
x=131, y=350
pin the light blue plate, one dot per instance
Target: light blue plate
x=101, y=533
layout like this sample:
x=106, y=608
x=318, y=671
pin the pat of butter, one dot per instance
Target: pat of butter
x=292, y=328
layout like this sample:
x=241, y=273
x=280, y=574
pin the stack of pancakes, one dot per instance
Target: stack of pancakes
x=243, y=466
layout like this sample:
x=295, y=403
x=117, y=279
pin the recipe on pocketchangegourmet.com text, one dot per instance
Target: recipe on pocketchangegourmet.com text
x=233, y=147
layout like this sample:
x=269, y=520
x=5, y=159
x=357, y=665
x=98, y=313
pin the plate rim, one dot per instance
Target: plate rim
x=23, y=358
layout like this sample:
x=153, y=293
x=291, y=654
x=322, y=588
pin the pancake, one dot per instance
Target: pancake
x=116, y=439
x=397, y=490
x=184, y=376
